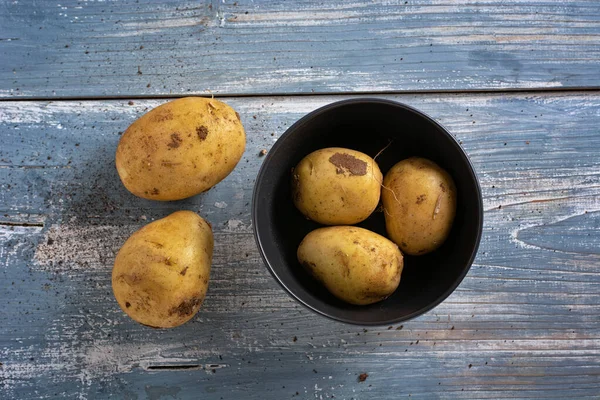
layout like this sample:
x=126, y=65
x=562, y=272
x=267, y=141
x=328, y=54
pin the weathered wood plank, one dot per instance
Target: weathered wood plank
x=131, y=48
x=525, y=323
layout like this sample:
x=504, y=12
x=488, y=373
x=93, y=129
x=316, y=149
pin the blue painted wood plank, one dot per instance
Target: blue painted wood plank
x=525, y=323
x=154, y=48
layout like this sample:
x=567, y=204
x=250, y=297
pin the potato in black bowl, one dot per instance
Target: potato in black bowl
x=367, y=125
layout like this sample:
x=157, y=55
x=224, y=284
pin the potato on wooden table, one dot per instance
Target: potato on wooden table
x=160, y=276
x=180, y=149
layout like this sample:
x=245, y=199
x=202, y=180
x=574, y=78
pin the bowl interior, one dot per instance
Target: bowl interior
x=366, y=125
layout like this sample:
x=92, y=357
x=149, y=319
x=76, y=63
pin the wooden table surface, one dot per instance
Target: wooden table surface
x=517, y=82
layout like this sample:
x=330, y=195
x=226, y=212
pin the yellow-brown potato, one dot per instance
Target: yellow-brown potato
x=336, y=186
x=419, y=200
x=356, y=265
x=161, y=273
x=180, y=149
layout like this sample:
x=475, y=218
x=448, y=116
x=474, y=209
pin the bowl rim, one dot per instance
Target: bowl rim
x=326, y=108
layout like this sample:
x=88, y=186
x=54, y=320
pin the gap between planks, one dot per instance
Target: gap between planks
x=533, y=91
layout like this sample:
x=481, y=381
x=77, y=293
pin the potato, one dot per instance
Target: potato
x=161, y=273
x=356, y=265
x=419, y=200
x=336, y=186
x=180, y=149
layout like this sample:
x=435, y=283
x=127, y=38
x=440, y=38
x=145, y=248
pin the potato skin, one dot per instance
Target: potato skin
x=336, y=186
x=180, y=149
x=419, y=200
x=161, y=273
x=356, y=265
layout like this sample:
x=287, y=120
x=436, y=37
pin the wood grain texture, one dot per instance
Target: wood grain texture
x=525, y=323
x=84, y=48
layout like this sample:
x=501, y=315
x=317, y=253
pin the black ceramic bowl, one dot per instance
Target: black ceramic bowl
x=366, y=125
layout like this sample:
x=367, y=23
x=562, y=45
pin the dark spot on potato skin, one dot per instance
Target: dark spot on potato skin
x=347, y=163
x=161, y=116
x=130, y=279
x=202, y=132
x=168, y=261
x=175, y=141
x=309, y=265
x=127, y=304
x=158, y=245
x=297, y=196
x=421, y=198
x=184, y=271
x=310, y=268
x=372, y=296
x=344, y=262
x=443, y=187
x=155, y=191
x=399, y=267
x=202, y=222
x=169, y=164
x=186, y=307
